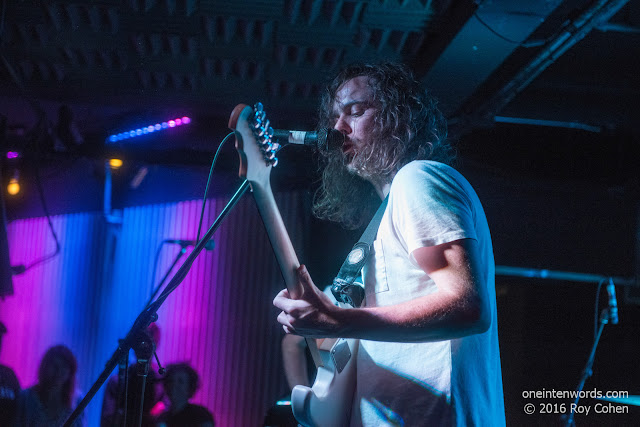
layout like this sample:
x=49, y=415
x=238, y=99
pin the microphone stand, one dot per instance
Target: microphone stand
x=605, y=316
x=123, y=365
x=149, y=314
x=144, y=349
x=122, y=391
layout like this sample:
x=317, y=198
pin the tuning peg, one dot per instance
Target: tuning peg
x=270, y=155
x=264, y=140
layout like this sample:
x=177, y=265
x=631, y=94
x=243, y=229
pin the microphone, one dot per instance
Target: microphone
x=613, y=304
x=184, y=243
x=324, y=139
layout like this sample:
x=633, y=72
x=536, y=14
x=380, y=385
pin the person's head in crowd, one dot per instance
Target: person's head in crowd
x=181, y=382
x=58, y=372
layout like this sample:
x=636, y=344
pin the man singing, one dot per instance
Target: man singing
x=428, y=330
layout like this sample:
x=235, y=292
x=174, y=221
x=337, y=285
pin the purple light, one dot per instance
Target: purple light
x=142, y=130
x=13, y=155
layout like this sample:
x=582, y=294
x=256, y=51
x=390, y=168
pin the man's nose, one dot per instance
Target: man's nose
x=342, y=126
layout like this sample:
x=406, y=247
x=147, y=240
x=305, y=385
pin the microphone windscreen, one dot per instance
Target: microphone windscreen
x=330, y=139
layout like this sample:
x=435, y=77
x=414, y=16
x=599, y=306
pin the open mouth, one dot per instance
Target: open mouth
x=347, y=148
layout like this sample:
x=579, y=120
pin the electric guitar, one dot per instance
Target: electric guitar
x=328, y=402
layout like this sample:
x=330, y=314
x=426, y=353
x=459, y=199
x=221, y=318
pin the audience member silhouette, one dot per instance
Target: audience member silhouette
x=9, y=389
x=180, y=384
x=53, y=398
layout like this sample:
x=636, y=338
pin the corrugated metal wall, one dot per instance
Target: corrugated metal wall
x=57, y=301
x=220, y=319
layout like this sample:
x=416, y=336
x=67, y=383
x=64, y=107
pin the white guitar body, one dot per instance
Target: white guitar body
x=328, y=402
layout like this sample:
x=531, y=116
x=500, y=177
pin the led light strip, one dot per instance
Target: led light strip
x=144, y=130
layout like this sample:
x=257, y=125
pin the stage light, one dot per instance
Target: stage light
x=151, y=128
x=14, y=185
x=13, y=155
x=115, y=163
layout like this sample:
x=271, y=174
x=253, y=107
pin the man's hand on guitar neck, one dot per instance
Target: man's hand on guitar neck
x=312, y=315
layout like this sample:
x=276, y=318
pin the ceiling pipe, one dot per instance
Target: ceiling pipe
x=503, y=270
x=547, y=123
x=617, y=28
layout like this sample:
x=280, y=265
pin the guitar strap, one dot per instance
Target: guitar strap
x=343, y=288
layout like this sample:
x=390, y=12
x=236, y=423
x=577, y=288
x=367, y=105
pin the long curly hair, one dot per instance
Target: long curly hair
x=407, y=126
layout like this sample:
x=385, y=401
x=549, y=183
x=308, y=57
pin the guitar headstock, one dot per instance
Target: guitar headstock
x=253, y=141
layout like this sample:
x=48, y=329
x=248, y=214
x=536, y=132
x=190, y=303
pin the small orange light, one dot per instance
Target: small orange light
x=14, y=186
x=115, y=163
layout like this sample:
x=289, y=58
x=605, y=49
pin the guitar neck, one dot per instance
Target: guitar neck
x=244, y=121
x=282, y=247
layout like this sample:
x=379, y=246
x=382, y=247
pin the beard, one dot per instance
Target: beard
x=370, y=160
x=344, y=168
x=346, y=194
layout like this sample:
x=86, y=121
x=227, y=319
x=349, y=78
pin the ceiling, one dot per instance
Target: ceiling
x=566, y=65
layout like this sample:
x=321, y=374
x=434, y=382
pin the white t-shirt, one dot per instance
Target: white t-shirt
x=453, y=382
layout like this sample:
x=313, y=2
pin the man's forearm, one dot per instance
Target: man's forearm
x=434, y=317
